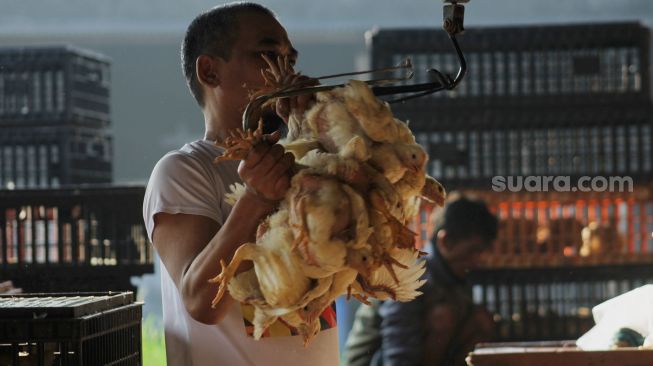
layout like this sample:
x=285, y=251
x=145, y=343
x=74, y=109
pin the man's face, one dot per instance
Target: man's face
x=462, y=255
x=258, y=34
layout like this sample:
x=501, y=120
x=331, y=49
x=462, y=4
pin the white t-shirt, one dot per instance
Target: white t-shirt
x=185, y=181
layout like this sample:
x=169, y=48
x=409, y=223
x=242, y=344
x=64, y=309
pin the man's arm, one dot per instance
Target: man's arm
x=192, y=246
x=364, y=338
x=441, y=323
x=402, y=332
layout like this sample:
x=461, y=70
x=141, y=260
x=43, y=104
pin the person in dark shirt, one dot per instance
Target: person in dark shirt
x=441, y=326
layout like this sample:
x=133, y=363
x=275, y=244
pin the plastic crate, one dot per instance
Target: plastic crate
x=54, y=115
x=538, y=100
x=528, y=64
x=70, y=329
x=53, y=85
x=74, y=239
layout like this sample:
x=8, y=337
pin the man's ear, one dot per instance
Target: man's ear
x=207, y=71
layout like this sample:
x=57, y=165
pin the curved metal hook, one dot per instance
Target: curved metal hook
x=444, y=82
x=301, y=89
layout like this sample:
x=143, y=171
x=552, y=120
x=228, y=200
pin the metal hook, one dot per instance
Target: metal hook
x=301, y=88
x=444, y=82
x=453, y=24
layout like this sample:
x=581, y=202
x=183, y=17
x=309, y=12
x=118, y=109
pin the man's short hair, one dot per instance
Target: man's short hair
x=464, y=217
x=214, y=33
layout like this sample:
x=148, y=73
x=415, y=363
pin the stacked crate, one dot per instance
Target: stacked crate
x=63, y=226
x=567, y=101
x=73, y=239
x=54, y=116
x=70, y=329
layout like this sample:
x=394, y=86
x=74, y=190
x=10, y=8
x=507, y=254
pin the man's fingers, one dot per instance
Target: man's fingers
x=271, y=176
x=267, y=163
x=282, y=184
x=272, y=138
x=256, y=155
x=282, y=166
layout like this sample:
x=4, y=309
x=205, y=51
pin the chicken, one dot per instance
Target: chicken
x=320, y=213
x=433, y=191
x=331, y=164
x=279, y=75
x=306, y=329
x=373, y=115
x=277, y=267
x=244, y=288
x=276, y=285
x=300, y=147
x=337, y=130
x=382, y=285
x=359, y=177
x=404, y=134
x=238, y=144
x=328, y=217
x=341, y=282
x=236, y=190
x=394, y=160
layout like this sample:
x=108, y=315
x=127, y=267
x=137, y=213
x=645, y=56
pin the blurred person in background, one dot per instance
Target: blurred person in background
x=441, y=326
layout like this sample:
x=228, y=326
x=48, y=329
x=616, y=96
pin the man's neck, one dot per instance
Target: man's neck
x=217, y=122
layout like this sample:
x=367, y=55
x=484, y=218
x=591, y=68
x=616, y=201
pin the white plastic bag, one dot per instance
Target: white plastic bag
x=633, y=310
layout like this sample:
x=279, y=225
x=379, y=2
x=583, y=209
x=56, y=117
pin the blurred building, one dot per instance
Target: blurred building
x=54, y=116
x=63, y=225
x=542, y=101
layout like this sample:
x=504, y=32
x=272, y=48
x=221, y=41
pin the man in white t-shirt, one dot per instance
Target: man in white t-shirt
x=191, y=226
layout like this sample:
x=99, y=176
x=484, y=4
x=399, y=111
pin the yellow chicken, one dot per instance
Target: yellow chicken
x=328, y=218
x=338, y=131
x=373, y=115
x=394, y=160
x=341, y=228
x=277, y=267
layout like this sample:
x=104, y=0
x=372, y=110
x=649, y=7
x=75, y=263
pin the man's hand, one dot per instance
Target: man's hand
x=266, y=170
x=479, y=327
x=444, y=324
x=441, y=327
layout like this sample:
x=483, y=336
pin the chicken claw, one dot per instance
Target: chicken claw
x=222, y=278
x=372, y=289
x=245, y=252
x=239, y=143
x=403, y=236
x=388, y=261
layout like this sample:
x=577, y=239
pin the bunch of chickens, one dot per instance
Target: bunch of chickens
x=341, y=228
